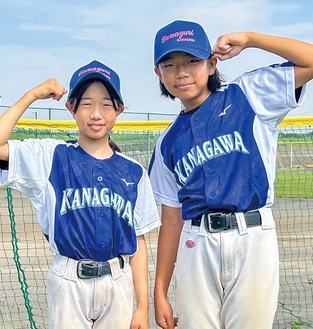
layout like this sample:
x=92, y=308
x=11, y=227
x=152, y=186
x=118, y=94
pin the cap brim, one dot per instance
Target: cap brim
x=202, y=54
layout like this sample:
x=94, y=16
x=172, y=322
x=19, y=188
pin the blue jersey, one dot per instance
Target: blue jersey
x=87, y=208
x=221, y=157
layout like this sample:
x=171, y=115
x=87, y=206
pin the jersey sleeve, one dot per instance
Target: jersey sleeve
x=271, y=92
x=162, y=179
x=29, y=165
x=146, y=212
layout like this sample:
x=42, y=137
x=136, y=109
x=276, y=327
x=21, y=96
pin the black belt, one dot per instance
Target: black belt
x=216, y=222
x=87, y=268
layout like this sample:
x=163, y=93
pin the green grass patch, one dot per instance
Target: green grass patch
x=294, y=184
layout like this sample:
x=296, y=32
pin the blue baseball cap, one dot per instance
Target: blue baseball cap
x=185, y=36
x=97, y=70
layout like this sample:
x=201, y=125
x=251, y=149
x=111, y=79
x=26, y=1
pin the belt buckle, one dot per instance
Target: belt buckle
x=209, y=222
x=80, y=265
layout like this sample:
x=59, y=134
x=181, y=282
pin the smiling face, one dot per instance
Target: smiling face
x=186, y=77
x=95, y=115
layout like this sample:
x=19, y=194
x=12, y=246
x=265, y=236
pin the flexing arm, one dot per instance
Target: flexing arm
x=297, y=52
x=167, y=252
x=139, y=265
x=48, y=89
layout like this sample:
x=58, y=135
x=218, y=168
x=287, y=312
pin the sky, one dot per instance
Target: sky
x=43, y=39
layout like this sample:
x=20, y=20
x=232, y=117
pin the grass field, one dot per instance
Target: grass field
x=294, y=184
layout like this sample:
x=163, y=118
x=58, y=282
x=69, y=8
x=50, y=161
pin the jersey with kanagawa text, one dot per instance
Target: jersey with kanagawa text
x=221, y=157
x=86, y=207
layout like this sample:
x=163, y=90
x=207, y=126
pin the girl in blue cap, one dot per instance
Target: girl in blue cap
x=93, y=204
x=213, y=173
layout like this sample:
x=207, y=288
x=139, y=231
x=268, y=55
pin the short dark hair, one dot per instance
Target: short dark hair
x=78, y=93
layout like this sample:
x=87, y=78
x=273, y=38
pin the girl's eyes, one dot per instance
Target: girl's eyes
x=88, y=104
x=194, y=60
x=109, y=104
x=169, y=64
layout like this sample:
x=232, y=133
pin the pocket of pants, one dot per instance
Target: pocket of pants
x=56, y=289
x=126, y=282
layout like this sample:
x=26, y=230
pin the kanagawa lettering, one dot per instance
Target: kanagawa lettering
x=92, y=197
x=209, y=150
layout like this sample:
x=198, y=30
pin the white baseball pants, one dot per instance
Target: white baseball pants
x=104, y=302
x=227, y=280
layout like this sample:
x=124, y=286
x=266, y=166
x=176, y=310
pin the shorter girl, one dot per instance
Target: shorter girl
x=93, y=204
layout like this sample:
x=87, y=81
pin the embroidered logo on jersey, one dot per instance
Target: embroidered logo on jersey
x=127, y=183
x=92, y=197
x=224, y=111
x=190, y=244
x=221, y=145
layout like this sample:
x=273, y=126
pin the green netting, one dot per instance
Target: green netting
x=25, y=258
